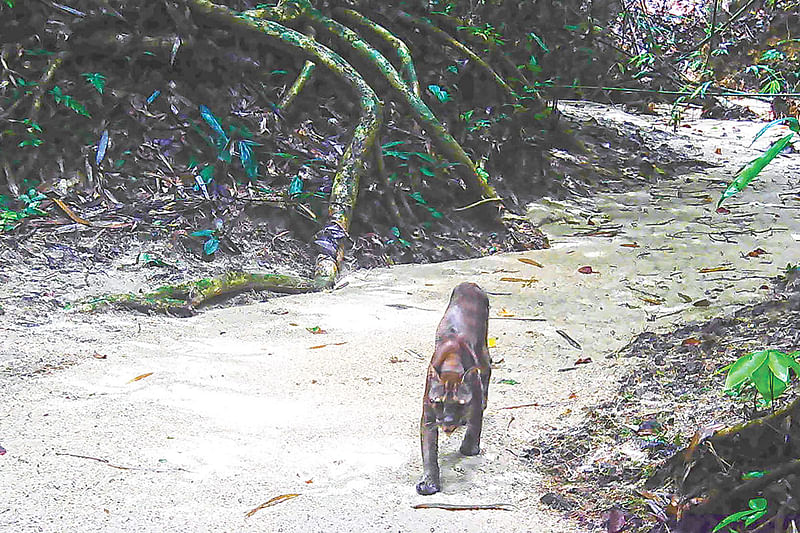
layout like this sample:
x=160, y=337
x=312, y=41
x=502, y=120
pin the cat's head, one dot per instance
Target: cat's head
x=450, y=394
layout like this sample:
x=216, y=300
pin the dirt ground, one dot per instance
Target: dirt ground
x=243, y=404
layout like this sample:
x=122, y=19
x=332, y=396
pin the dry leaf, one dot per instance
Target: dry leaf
x=691, y=341
x=723, y=210
x=718, y=151
x=757, y=252
x=715, y=269
x=505, y=313
x=274, y=501
x=583, y=361
x=137, y=378
x=587, y=270
x=99, y=355
x=529, y=262
x=526, y=282
x=702, y=303
x=630, y=245
x=316, y=330
x=651, y=301
x=324, y=345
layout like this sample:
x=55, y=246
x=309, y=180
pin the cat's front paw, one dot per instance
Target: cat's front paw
x=428, y=486
x=470, y=448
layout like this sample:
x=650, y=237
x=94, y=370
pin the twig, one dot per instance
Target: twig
x=467, y=507
x=479, y=202
x=269, y=503
x=527, y=319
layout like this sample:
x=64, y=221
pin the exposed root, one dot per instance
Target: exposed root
x=297, y=87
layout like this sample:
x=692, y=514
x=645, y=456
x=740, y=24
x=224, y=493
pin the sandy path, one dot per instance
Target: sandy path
x=240, y=408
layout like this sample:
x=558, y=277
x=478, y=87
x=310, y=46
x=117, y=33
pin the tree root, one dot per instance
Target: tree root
x=297, y=87
x=344, y=189
x=400, y=48
x=441, y=138
x=717, y=475
x=185, y=299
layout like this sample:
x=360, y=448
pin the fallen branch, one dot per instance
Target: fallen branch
x=184, y=299
x=467, y=507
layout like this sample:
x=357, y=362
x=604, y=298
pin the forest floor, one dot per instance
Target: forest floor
x=120, y=421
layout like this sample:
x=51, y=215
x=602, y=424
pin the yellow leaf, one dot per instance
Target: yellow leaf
x=492, y=342
x=137, y=378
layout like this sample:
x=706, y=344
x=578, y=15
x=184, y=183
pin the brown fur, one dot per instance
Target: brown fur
x=457, y=385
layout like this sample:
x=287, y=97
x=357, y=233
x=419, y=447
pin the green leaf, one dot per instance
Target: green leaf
x=211, y=246
x=96, y=80
x=735, y=517
x=753, y=168
x=395, y=231
x=417, y=196
x=202, y=233
x=434, y=213
x=427, y=171
x=393, y=143
x=743, y=368
x=792, y=122
x=755, y=474
x=779, y=364
x=295, y=187
x=767, y=384
x=758, y=504
x=207, y=174
x=441, y=94
x=425, y=157
x=508, y=382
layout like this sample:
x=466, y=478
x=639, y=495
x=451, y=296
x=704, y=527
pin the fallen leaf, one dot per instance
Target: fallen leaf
x=491, y=342
x=587, y=270
x=324, y=345
x=508, y=382
x=583, y=361
x=309, y=481
x=649, y=427
x=723, y=210
x=691, y=341
x=716, y=269
x=764, y=287
x=718, y=151
x=505, y=313
x=651, y=301
x=269, y=503
x=702, y=303
x=685, y=298
x=137, y=378
x=572, y=342
x=526, y=282
x=630, y=245
x=572, y=396
x=99, y=355
x=757, y=252
x=529, y=262
x=316, y=330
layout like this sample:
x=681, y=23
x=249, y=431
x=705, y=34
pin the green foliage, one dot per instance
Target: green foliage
x=96, y=80
x=68, y=101
x=396, y=232
x=767, y=370
x=757, y=509
x=441, y=94
x=486, y=31
x=752, y=169
x=9, y=3
x=32, y=130
x=211, y=244
x=10, y=218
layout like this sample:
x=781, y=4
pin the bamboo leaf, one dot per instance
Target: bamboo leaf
x=753, y=168
x=792, y=122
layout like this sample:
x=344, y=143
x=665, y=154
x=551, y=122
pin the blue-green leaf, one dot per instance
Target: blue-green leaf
x=202, y=233
x=395, y=231
x=295, y=187
x=246, y=156
x=211, y=246
x=212, y=121
x=441, y=94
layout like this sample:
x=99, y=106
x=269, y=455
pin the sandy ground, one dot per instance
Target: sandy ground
x=245, y=404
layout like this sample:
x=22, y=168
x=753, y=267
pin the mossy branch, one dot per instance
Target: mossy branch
x=184, y=299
